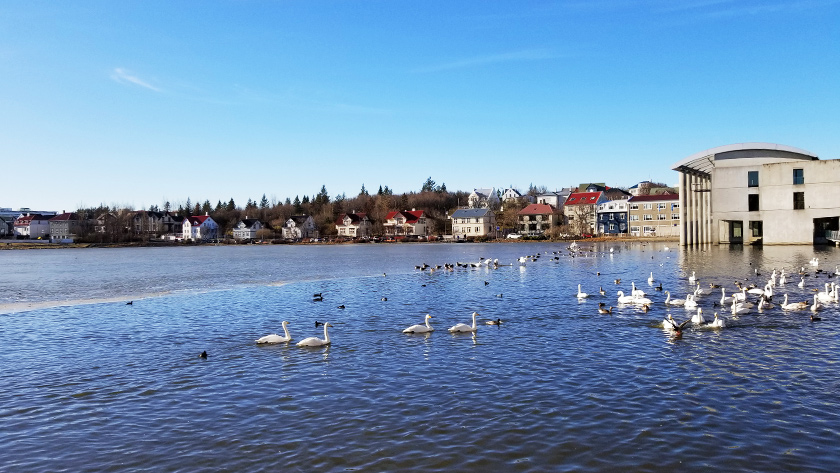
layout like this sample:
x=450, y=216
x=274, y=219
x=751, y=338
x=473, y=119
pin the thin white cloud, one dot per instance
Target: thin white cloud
x=729, y=8
x=125, y=77
x=477, y=61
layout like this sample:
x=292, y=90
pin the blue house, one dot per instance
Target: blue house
x=612, y=217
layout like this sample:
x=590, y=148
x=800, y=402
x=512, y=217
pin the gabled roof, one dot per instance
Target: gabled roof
x=198, y=219
x=250, y=222
x=300, y=219
x=411, y=216
x=27, y=219
x=64, y=217
x=355, y=218
x=538, y=209
x=654, y=198
x=485, y=193
x=583, y=198
x=471, y=213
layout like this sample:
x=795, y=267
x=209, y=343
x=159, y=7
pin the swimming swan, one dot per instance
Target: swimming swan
x=420, y=328
x=581, y=295
x=690, y=303
x=793, y=305
x=274, y=338
x=669, y=301
x=464, y=327
x=718, y=322
x=698, y=317
x=315, y=341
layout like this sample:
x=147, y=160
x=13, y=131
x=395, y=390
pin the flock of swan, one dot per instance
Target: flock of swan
x=737, y=302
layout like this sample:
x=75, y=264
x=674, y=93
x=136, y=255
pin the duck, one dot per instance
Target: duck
x=671, y=325
x=602, y=310
x=463, y=328
x=793, y=305
x=815, y=317
x=420, y=328
x=274, y=338
x=581, y=295
x=494, y=322
x=203, y=355
x=717, y=322
x=315, y=341
x=129, y=303
x=601, y=291
x=698, y=317
x=618, y=281
x=659, y=287
x=669, y=301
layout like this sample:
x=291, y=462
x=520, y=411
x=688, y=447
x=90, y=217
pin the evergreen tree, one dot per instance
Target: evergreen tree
x=305, y=200
x=263, y=202
x=380, y=190
x=167, y=206
x=205, y=207
x=188, y=206
x=197, y=209
x=322, y=198
x=219, y=206
x=231, y=206
x=442, y=188
x=428, y=186
x=288, y=201
x=297, y=204
x=363, y=191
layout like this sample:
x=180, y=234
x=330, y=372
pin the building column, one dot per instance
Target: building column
x=683, y=222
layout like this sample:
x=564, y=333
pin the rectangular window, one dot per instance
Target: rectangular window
x=648, y=217
x=634, y=229
x=663, y=217
x=798, y=201
x=661, y=206
x=634, y=218
x=478, y=229
x=612, y=227
x=648, y=206
x=752, y=202
x=675, y=216
x=756, y=229
x=649, y=230
x=798, y=176
x=634, y=206
x=752, y=178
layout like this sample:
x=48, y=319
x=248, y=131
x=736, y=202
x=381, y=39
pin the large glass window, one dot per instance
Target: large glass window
x=753, y=203
x=798, y=176
x=798, y=201
x=756, y=228
x=752, y=178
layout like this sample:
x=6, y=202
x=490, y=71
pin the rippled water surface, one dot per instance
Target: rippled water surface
x=89, y=383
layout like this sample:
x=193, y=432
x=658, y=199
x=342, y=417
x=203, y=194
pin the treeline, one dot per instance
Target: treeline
x=435, y=200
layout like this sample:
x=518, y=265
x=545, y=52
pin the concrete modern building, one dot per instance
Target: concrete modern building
x=757, y=193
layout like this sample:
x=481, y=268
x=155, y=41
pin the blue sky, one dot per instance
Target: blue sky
x=134, y=103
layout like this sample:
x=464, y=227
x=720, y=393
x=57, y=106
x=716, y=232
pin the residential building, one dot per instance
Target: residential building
x=655, y=215
x=247, y=228
x=613, y=217
x=473, y=223
x=757, y=192
x=7, y=226
x=406, y=223
x=581, y=210
x=483, y=198
x=536, y=219
x=353, y=225
x=555, y=199
x=32, y=226
x=511, y=194
x=145, y=222
x=64, y=227
x=200, y=228
x=298, y=227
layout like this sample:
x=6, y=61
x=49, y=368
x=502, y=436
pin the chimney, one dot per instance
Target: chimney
x=206, y=214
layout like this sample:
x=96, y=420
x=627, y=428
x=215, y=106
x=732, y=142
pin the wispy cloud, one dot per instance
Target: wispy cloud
x=730, y=8
x=477, y=61
x=126, y=77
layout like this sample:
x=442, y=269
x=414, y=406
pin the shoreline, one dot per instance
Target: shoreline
x=30, y=245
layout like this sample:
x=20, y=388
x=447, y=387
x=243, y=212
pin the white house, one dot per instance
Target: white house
x=298, y=227
x=200, y=228
x=32, y=226
x=555, y=199
x=353, y=225
x=483, y=198
x=406, y=223
x=247, y=229
x=473, y=223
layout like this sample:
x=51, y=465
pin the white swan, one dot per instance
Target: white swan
x=718, y=322
x=690, y=303
x=465, y=327
x=763, y=304
x=669, y=323
x=815, y=261
x=698, y=317
x=816, y=306
x=636, y=292
x=826, y=296
x=274, y=338
x=692, y=278
x=793, y=305
x=622, y=299
x=669, y=301
x=650, y=279
x=581, y=295
x=700, y=291
x=801, y=282
x=315, y=341
x=739, y=309
x=723, y=298
x=420, y=328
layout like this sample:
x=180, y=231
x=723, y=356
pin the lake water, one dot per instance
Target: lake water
x=88, y=383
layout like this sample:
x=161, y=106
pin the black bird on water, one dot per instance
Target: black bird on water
x=317, y=324
x=129, y=303
x=341, y=306
x=203, y=355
